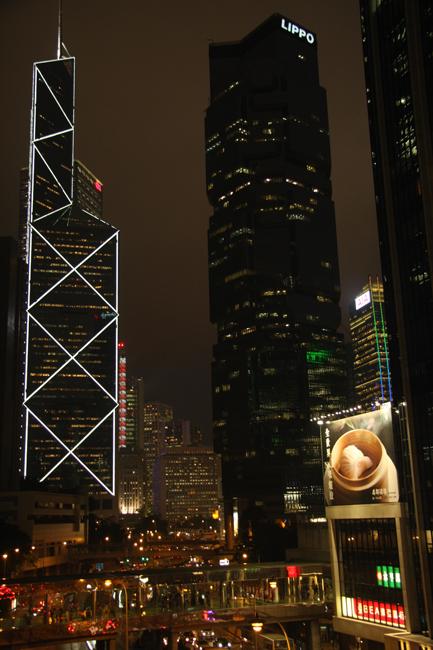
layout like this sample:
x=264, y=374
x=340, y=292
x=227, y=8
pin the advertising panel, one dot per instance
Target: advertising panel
x=392, y=614
x=362, y=300
x=360, y=460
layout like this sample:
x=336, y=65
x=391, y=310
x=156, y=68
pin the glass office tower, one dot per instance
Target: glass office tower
x=368, y=333
x=398, y=54
x=273, y=268
x=70, y=369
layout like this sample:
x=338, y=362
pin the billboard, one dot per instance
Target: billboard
x=362, y=300
x=360, y=460
x=374, y=611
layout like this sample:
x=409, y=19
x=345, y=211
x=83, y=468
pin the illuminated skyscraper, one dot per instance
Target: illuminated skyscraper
x=187, y=486
x=135, y=413
x=273, y=266
x=121, y=413
x=70, y=382
x=157, y=429
x=131, y=481
x=371, y=373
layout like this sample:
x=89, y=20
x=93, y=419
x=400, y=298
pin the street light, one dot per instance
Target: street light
x=122, y=584
x=94, y=589
x=257, y=626
x=108, y=583
x=5, y=557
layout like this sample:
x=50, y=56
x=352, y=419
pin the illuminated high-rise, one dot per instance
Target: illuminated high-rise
x=157, y=429
x=131, y=481
x=187, y=487
x=135, y=413
x=371, y=372
x=121, y=413
x=131, y=474
x=70, y=356
x=273, y=267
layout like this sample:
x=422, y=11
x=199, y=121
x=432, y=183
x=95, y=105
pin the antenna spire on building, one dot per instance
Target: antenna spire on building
x=59, y=31
x=61, y=47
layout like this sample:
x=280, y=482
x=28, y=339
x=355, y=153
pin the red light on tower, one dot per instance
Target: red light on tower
x=98, y=186
x=121, y=345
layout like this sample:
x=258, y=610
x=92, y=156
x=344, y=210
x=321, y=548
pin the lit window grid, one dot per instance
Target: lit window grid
x=371, y=367
x=38, y=75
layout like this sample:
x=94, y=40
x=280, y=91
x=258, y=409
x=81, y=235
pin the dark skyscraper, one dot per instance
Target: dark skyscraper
x=9, y=316
x=273, y=267
x=398, y=54
x=70, y=386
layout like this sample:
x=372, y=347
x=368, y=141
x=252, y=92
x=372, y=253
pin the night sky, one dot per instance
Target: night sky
x=142, y=90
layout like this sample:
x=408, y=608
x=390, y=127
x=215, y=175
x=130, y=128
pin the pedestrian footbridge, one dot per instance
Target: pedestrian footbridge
x=102, y=607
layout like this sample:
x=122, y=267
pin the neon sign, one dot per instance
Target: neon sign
x=388, y=576
x=98, y=186
x=296, y=30
x=374, y=611
x=317, y=356
x=293, y=571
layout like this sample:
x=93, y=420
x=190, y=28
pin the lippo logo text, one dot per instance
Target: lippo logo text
x=294, y=29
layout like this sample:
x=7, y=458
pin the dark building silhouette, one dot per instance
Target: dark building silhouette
x=9, y=329
x=273, y=268
x=398, y=54
x=187, y=433
x=70, y=351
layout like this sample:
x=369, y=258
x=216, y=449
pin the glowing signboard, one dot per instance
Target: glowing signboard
x=374, y=611
x=360, y=463
x=363, y=299
x=298, y=31
x=388, y=576
x=317, y=356
x=293, y=571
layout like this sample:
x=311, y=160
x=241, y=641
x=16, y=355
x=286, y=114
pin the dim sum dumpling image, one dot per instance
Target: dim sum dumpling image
x=353, y=463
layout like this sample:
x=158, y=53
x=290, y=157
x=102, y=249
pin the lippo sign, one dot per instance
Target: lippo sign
x=374, y=611
x=297, y=30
